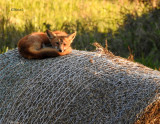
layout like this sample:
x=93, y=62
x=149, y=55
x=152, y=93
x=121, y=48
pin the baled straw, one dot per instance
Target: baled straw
x=80, y=88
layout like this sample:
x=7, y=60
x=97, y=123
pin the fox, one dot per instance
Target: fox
x=41, y=45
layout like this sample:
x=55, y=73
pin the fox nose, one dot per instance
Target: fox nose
x=60, y=50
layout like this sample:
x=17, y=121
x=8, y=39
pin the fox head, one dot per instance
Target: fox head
x=60, y=41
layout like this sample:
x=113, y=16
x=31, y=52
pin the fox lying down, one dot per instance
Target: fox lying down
x=41, y=45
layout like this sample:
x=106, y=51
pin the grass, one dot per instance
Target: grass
x=121, y=24
x=142, y=35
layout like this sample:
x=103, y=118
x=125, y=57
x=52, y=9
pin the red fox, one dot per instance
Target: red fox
x=41, y=45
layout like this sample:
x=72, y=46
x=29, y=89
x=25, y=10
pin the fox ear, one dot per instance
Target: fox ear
x=50, y=34
x=71, y=36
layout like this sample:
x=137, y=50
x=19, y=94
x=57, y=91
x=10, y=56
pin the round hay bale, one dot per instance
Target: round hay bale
x=83, y=87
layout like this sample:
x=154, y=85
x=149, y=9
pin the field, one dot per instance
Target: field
x=122, y=23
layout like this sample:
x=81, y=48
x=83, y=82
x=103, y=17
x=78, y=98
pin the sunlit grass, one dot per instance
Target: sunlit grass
x=4, y=49
x=108, y=15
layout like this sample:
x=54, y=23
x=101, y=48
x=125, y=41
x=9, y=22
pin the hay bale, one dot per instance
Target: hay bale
x=82, y=87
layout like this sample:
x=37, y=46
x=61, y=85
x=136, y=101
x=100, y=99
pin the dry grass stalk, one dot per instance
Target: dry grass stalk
x=101, y=49
x=131, y=56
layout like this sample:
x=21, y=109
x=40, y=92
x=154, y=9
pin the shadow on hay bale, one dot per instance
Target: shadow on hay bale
x=82, y=87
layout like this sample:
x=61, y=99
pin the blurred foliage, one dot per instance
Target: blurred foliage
x=123, y=23
x=142, y=34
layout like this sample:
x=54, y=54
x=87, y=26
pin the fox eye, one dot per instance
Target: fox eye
x=64, y=44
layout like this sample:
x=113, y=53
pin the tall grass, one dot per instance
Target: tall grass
x=94, y=20
x=142, y=34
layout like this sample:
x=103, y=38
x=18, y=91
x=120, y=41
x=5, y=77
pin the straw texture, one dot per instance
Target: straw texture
x=79, y=88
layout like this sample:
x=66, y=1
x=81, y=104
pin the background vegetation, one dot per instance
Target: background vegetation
x=123, y=23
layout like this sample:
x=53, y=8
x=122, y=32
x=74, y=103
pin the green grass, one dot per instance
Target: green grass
x=142, y=34
x=94, y=20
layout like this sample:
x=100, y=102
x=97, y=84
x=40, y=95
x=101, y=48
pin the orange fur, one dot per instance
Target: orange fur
x=32, y=45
